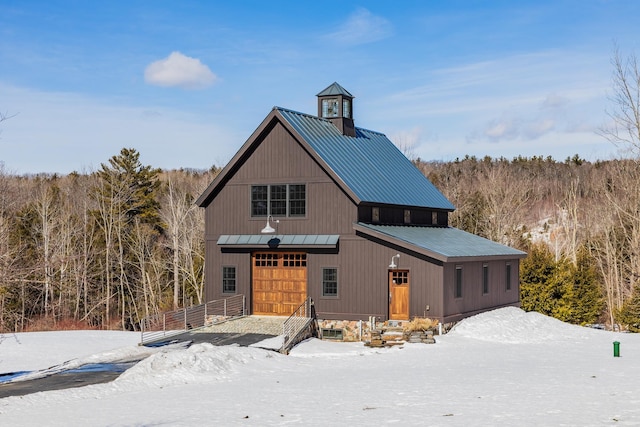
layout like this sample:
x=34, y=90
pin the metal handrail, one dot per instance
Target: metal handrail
x=164, y=325
x=295, y=324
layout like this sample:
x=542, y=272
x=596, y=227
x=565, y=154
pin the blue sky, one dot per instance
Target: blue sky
x=186, y=83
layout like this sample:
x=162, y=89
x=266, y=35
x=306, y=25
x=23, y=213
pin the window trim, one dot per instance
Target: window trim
x=235, y=279
x=324, y=282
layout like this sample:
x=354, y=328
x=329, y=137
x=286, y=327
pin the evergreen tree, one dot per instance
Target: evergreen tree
x=127, y=197
x=536, y=273
x=587, y=300
x=629, y=315
x=559, y=288
x=136, y=186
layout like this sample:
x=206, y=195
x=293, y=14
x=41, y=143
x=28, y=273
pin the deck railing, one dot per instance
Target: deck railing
x=165, y=325
x=299, y=326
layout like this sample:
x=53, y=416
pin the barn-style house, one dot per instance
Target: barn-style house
x=313, y=206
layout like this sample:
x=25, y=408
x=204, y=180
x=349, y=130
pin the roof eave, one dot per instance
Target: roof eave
x=436, y=255
x=399, y=242
x=238, y=158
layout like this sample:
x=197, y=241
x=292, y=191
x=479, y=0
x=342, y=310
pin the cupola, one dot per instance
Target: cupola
x=335, y=103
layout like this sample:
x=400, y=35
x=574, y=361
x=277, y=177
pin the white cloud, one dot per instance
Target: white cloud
x=537, y=128
x=179, y=70
x=361, y=27
x=497, y=130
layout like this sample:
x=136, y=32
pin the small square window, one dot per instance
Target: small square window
x=407, y=216
x=228, y=280
x=329, y=282
x=375, y=214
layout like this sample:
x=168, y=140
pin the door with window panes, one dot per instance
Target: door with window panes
x=399, y=294
x=279, y=282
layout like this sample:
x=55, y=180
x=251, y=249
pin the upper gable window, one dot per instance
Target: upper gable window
x=279, y=200
x=330, y=107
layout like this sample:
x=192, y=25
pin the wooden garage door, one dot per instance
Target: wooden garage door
x=279, y=282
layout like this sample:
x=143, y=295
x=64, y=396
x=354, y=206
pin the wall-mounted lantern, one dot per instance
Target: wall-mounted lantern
x=268, y=228
x=394, y=261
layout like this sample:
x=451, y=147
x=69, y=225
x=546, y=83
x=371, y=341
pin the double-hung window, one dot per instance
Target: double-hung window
x=329, y=282
x=288, y=200
x=228, y=280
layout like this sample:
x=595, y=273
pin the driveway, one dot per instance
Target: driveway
x=106, y=372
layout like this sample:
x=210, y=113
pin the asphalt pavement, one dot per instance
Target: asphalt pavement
x=107, y=372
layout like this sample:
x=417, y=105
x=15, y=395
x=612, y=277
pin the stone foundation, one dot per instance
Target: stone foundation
x=390, y=332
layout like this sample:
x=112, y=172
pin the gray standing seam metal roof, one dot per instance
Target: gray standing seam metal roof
x=369, y=164
x=446, y=241
x=286, y=239
x=335, y=89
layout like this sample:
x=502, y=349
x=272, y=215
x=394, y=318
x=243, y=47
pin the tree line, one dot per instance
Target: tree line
x=579, y=222
x=101, y=249
x=105, y=249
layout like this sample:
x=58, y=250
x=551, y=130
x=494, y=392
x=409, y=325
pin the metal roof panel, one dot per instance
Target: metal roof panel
x=369, y=164
x=447, y=241
x=335, y=89
x=284, y=240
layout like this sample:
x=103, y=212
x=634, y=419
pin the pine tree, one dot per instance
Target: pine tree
x=536, y=271
x=127, y=197
x=569, y=292
x=629, y=315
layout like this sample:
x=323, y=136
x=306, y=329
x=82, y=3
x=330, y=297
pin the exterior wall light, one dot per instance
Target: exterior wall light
x=268, y=228
x=394, y=261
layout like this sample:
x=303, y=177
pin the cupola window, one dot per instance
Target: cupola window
x=346, y=108
x=330, y=107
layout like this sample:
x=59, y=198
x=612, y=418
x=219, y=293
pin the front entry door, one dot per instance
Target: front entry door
x=398, y=294
x=279, y=282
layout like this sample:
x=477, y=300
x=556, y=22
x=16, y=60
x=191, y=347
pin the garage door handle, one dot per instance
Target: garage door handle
x=390, y=297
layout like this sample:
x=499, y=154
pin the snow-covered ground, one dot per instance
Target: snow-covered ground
x=505, y=367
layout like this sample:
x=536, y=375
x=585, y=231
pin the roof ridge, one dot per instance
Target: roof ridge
x=311, y=116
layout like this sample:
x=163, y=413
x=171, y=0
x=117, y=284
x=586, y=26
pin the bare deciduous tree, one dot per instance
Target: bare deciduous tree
x=624, y=131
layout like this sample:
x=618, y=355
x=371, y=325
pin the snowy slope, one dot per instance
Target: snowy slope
x=504, y=367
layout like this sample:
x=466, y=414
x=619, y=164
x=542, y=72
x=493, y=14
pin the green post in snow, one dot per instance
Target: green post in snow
x=616, y=349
